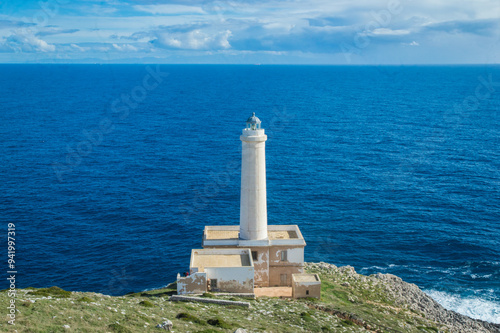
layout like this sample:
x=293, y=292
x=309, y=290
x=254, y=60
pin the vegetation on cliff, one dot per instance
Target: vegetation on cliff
x=350, y=303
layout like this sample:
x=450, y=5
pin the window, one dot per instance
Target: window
x=284, y=255
x=213, y=284
x=307, y=292
x=254, y=255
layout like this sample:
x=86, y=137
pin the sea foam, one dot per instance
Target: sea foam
x=474, y=307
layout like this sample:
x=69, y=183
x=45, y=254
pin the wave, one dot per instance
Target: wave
x=474, y=307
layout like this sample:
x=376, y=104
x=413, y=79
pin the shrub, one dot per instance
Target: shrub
x=26, y=304
x=306, y=316
x=52, y=291
x=346, y=322
x=85, y=299
x=147, y=304
x=217, y=322
x=189, y=317
x=118, y=328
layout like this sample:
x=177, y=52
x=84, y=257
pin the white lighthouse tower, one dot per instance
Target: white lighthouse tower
x=276, y=251
x=253, y=202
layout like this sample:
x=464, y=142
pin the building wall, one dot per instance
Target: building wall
x=275, y=273
x=295, y=256
x=261, y=265
x=293, y=265
x=299, y=290
x=268, y=267
x=232, y=279
x=193, y=284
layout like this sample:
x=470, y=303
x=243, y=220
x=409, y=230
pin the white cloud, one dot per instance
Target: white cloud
x=195, y=39
x=169, y=9
x=78, y=48
x=27, y=42
x=125, y=48
x=389, y=32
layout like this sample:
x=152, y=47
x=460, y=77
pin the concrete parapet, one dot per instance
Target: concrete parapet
x=207, y=300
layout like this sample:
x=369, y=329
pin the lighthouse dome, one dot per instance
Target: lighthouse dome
x=253, y=122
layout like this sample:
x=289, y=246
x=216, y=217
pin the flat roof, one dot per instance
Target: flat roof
x=233, y=234
x=305, y=277
x=227, y=235
x=220, y=258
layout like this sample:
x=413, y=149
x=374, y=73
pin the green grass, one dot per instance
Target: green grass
x=118, y=328
x=141, y=312
x=52, y=292
x=85, y=299
x=428, y=329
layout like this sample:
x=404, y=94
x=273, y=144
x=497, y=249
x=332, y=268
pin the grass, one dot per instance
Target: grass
x=52, y=292
x=118, y=328
x=428, y=329
x=85, y=299
x=141, y=312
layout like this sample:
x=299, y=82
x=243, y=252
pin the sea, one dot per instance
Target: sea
x=109, y=173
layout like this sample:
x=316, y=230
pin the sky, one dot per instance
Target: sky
x=341, y=32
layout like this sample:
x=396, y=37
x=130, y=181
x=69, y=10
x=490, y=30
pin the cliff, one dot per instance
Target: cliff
x=350, y=302
x=388, y=294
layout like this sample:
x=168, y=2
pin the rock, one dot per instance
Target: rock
x=66, y=327
x=345, y=284
x=408, y=295
x=167, y=325
x=240, y=330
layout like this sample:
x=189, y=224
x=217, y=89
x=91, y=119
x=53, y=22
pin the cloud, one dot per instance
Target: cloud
x=191, y=37
x=125, y=48
x=313, y=28
x=483, y=27
x=411, y=44
x=55, y=31
x=169, y=9
x=78, y=48
x=26, y=42
x=328, y=21
x=5, y=24
x=385, y=31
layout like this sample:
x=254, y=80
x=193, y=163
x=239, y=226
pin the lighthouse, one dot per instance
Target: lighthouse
x=253, y=202
x=236, y=258
x=276, y=252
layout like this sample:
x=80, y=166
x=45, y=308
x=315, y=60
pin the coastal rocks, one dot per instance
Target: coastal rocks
x=240, y=330
x=405, y=296
x=409, y=295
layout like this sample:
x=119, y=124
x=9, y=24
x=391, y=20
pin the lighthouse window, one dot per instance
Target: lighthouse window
x=284, y=255
x=307, y=292
x=254, y=255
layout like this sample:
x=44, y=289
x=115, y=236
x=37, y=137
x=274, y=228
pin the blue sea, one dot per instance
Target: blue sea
x=111, y=172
